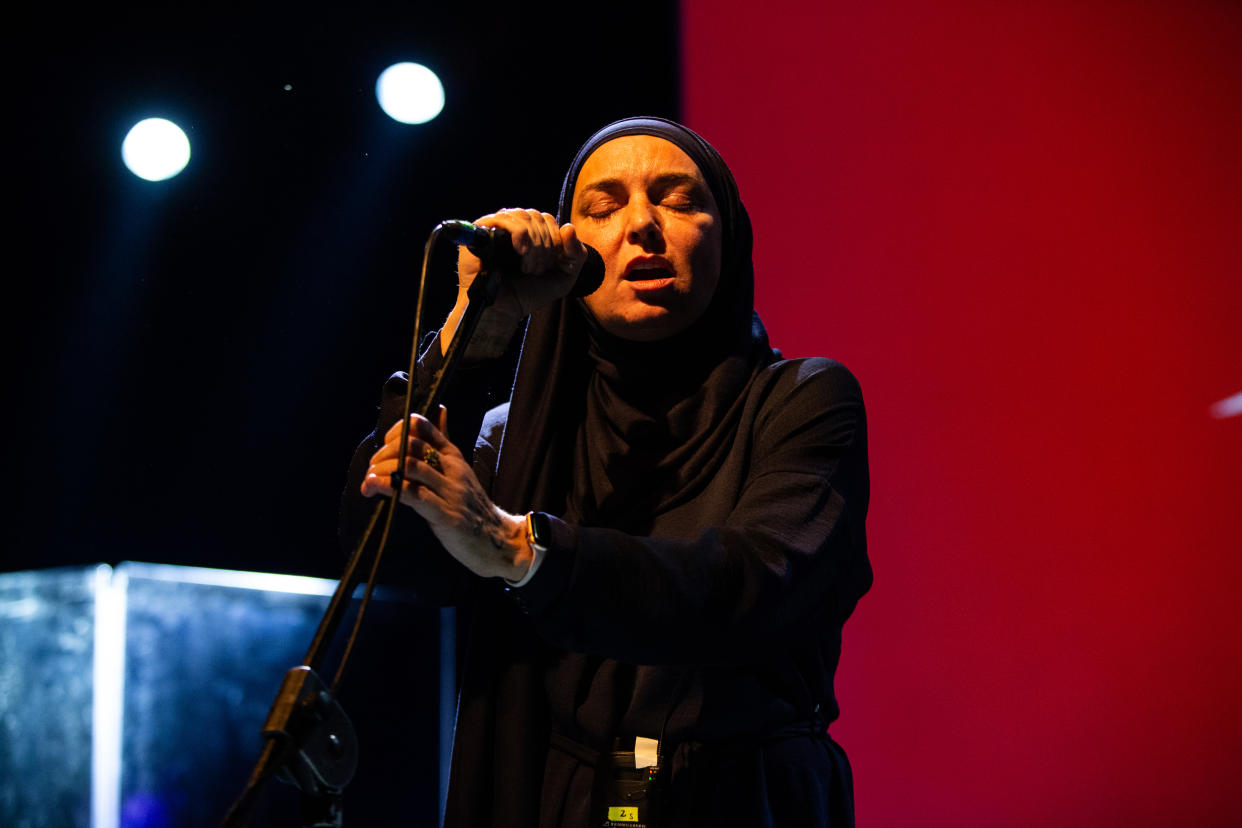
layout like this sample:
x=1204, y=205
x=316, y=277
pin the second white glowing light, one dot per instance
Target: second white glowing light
x=155, y=149
x=410, y=93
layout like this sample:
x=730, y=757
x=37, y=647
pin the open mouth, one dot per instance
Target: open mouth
x=649, y=276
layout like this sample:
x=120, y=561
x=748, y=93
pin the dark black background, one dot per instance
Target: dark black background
x=193, y=361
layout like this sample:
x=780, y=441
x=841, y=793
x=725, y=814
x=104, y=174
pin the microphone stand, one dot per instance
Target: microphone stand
x=310, y=742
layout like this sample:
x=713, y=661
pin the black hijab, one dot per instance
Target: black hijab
x=612, y=432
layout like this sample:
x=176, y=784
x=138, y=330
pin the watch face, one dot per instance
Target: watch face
x=540, y=530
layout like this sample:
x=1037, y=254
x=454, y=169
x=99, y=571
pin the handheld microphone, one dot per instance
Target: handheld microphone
x=494, y=246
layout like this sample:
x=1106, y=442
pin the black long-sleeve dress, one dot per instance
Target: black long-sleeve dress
x=708, y=545
x=724, y=619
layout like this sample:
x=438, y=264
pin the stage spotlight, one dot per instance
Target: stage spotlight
x=155, y=149
x=410, y=93
x=1228, y=407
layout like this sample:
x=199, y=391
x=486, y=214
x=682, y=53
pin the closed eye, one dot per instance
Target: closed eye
x=600, y=208
x=679, y=191
x=679, y=201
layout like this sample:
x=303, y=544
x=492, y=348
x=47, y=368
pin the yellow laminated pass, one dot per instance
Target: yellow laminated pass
x=622, y=814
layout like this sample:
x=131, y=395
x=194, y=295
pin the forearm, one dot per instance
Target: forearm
x=730, y=594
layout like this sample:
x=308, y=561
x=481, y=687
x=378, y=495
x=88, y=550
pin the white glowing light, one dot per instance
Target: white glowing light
x=108, y=696
x=1228, y=407
x=410, y=93
x=155, y=149
x=270, y=582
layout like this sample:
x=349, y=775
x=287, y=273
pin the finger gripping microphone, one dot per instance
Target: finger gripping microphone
x=494, y=246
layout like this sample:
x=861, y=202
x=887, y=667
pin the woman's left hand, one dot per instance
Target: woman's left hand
x=440, y=485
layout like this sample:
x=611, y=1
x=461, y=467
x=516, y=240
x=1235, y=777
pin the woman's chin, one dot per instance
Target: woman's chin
x=650, y=324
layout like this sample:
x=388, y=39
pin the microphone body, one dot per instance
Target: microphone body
x=495, y=247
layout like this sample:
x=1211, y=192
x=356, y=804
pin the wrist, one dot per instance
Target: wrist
x=522, y=554
x=537, y=534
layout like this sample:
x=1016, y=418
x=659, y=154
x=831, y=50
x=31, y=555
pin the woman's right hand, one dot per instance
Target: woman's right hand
x=551, y=257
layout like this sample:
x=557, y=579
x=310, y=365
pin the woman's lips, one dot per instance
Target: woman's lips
x=649, y=279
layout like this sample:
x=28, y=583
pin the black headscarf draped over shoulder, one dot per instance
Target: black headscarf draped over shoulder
x=612, y=432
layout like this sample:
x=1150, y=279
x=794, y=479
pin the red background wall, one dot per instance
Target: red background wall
x=1020, y=224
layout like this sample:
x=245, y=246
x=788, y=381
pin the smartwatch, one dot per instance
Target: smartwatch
x=538, y=531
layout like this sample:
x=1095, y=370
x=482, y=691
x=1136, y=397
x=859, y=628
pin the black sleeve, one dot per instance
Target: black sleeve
x=414, y=557
x=790, y=559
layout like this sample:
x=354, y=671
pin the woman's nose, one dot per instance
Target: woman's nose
x=643, y=223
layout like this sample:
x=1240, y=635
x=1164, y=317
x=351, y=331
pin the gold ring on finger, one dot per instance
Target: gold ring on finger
x=432, y=458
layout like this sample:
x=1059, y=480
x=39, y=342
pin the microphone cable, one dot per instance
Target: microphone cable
x=398, y=477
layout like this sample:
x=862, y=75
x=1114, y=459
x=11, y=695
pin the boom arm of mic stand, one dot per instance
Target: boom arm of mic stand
x=303, y=710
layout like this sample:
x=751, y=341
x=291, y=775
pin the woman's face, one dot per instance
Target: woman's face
x=645, y=206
